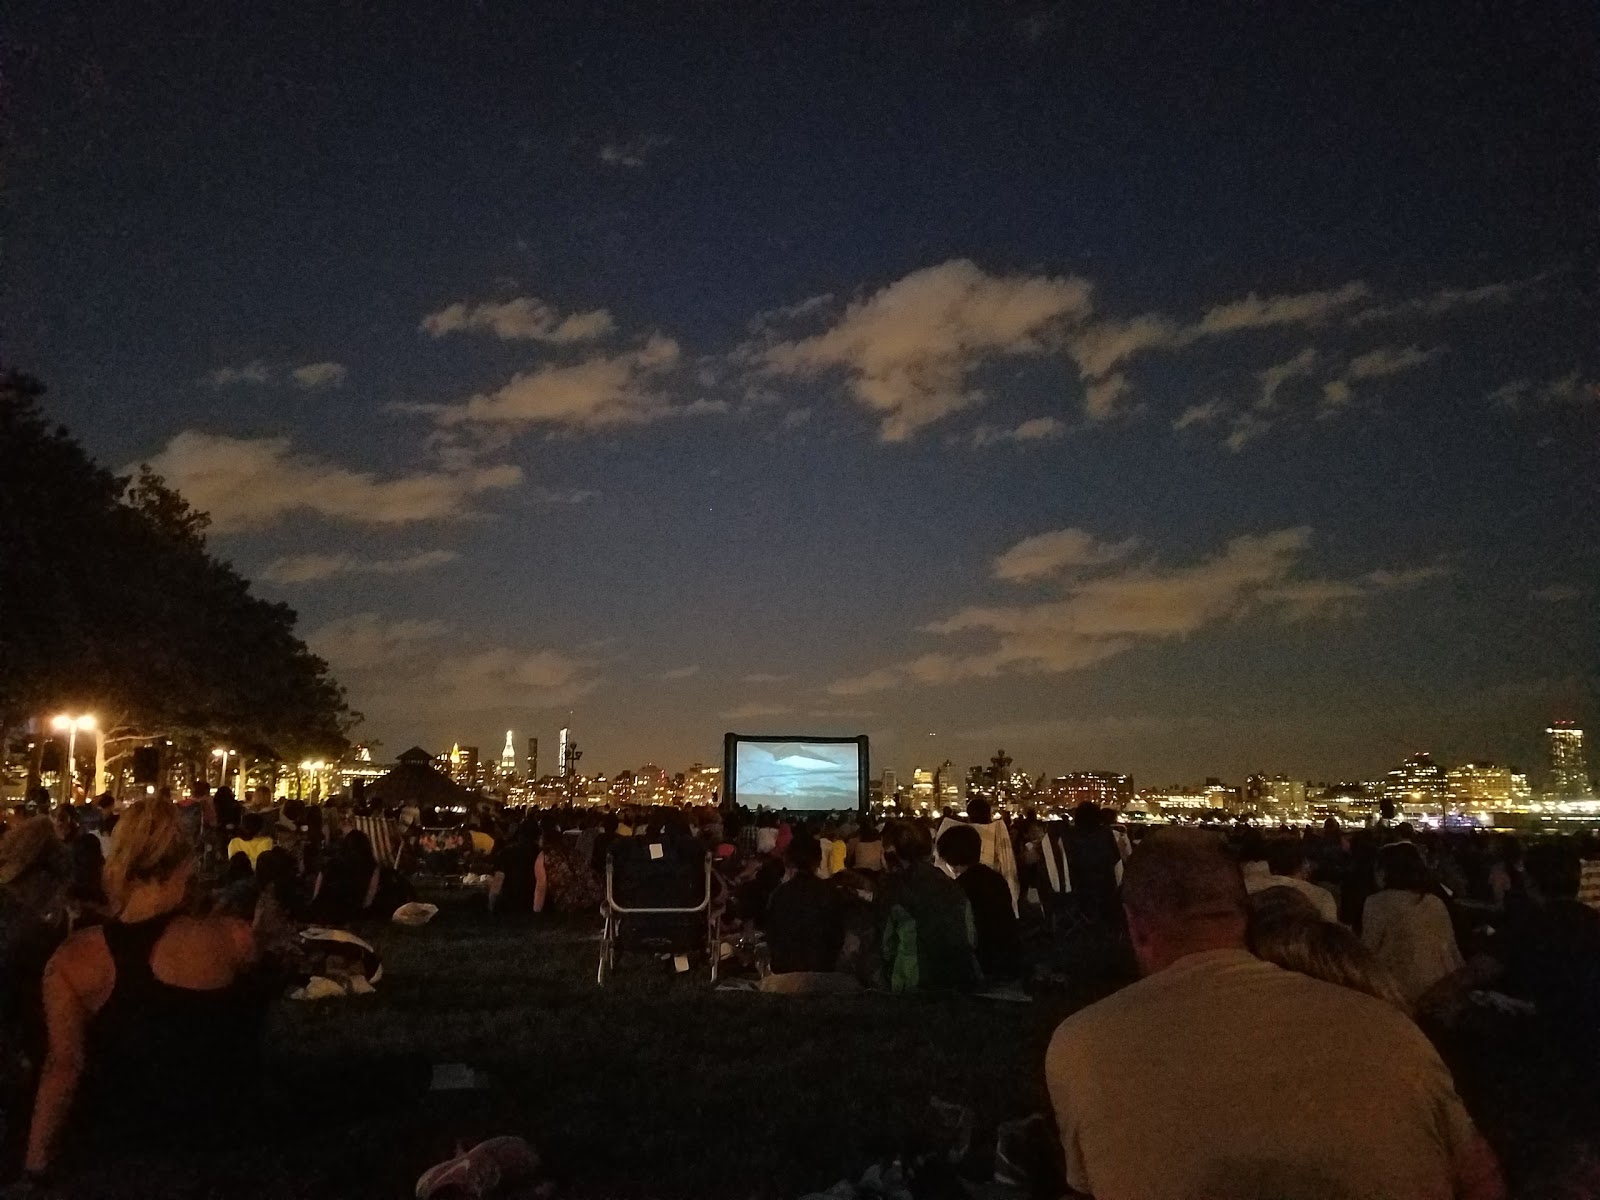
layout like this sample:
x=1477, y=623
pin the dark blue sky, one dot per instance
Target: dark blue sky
x=1198, y=388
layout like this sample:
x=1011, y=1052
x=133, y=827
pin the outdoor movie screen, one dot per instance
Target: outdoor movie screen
x=797, y=774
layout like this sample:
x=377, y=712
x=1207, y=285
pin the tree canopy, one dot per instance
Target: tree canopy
x=110, y=603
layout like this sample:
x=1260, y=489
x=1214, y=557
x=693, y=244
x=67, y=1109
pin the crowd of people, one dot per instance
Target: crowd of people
x=1290, y=979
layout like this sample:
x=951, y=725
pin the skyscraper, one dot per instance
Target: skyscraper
x=561, y=755
x=1419, y=782
x=533, y=758
x=1569, y=770
x=508, y=758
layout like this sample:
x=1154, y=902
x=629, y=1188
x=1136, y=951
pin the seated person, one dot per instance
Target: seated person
x=803, y=922
x=347, y=886
x=563, y=880
x=1288, y=866
x=997, y=933
x=929, y=937
x=151, y=1012
x=1285, y=928
x=252, y=841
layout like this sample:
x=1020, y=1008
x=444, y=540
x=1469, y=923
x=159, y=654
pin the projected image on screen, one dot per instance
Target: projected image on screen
x=815, y=776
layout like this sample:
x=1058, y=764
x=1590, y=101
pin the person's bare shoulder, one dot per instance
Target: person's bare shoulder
x=217, y=937
x=84, y=964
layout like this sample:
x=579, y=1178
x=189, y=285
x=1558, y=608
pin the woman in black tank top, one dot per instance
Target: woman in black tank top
x=152, y=1022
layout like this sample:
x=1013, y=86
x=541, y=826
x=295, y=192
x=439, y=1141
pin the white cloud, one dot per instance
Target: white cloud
x=365, y=641
x=765, y=677
x=1102, y=396
x=749, y=712
x=505, y=677
x=1199, y=414
x=1274, y=377
x=908, y=348
x=250, y=483
x=1557, y=593
x=1265, y=312
x=1046, y=554
x=1245, y=428
x=309, y=568
x=544, y=495
x=1100, y=615
x=1099, y=347
x=621, y=155
x=604, y=392
x=676, y=673
x=253, y=372
x=1445, y=300
x=1390, y=360
x=320, y=374
x=523, y=318
x=1034, y=429
x=1571, y=388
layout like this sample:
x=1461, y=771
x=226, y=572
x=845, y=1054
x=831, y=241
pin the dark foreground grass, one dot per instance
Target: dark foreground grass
x=656, y=1085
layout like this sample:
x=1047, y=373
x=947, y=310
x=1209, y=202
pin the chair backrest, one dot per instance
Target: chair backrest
x=653, y=874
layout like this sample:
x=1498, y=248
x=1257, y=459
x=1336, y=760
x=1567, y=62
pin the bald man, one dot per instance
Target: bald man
x=1219, y=1075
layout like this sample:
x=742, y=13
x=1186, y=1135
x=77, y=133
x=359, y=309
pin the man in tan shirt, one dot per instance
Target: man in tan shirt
x=1221, y=1077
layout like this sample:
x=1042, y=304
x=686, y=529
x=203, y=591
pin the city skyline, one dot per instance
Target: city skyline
x=1162, y=391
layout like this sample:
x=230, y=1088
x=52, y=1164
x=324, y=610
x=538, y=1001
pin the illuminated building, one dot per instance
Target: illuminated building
x=922, y=789
x=947, y=785
x=1418, y=783
x=891, y=786
x=1277, y=796
x=462, y=765
x=1108, y=789
x=701, y=785
x=533, y=758
x=650, y=785
x=561, y=753
x=1569, y=770
x=1482, y=785
x=508, y=759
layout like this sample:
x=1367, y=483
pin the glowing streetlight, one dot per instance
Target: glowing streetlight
x=68, y=724
x=219, y=752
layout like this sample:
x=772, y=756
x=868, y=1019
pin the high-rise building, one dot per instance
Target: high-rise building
x=947, y=785
x=464, y=765
x=1107, y=789
x=533, y=758
x=1569, y=769
x=891, y=786
x=1277, y=795
x=1481, y=785
x=508, y=758
x=562, y=764
x=1419, y=782
x=922, y=789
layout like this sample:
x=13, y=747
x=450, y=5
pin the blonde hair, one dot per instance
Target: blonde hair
x=1289, y=933
x=148, y=844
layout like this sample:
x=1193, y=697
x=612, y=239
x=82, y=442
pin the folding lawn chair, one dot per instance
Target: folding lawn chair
x=658, y=898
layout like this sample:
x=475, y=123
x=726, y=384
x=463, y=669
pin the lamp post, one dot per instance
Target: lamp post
x=224, y=755
x=70, y=725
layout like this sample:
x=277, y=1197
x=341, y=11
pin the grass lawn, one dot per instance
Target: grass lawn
x=654, y=1086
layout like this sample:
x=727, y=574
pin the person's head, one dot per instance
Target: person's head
x=1286, y=930
x=978, y=811
x=1252, y=846
x=32, y=860
x=1331, y=830
x=1183, y=894
x=906, y=843
x=856, y=883
x=1509, y=849
x=239, y=868
x=250, y=826
x=1286, y=856
x=1554, y=870
x=88, y=861
x=274, y=868
x=804, y=855
x=550, y=835
x=961, y=847
x=1401, y=868
x=355, y=851
x=106, y=802
x=867, y=831
x=148, y=850
x=1086, y=816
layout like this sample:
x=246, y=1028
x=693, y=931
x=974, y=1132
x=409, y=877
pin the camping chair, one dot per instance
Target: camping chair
x=658, y=898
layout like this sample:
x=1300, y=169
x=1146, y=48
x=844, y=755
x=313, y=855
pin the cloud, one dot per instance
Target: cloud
x=1409, y=577
x=1101, y=396
x=506, y=677
x=747, y=712
x=320, y=374
x=1557, y=593
x=688, y=672
x=1046, y=554
x=1099, y=615
x=544, y=495
x=1446, y=300
x=1244, y=429
x=523, y=318
x=1266, y=312
x=254, y=372
x=907, y=349
x=368, y=640
x=765, y=677
x=1099, y=347
x=1571, y=388
x=309, y=568
x=1274, y=377
x=615, y=155
x=1034, y=429
x=1199, y=414
x=251, y=483
x=1389, y=360
x=604, y=392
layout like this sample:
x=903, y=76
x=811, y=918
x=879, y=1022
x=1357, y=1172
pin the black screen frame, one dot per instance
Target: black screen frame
x=730, y=766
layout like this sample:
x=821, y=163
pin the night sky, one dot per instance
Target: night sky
x=1181, y=389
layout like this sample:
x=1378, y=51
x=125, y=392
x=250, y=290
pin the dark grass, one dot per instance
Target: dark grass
x=656, y=1085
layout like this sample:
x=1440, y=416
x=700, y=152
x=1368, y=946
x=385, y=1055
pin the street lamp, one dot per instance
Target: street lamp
x=70, y=725
x=223, y=755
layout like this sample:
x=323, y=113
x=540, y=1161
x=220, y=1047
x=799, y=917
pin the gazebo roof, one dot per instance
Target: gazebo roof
x=418, y=783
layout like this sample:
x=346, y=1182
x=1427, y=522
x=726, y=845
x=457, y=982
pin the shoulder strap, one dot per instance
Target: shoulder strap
x=132, y=944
